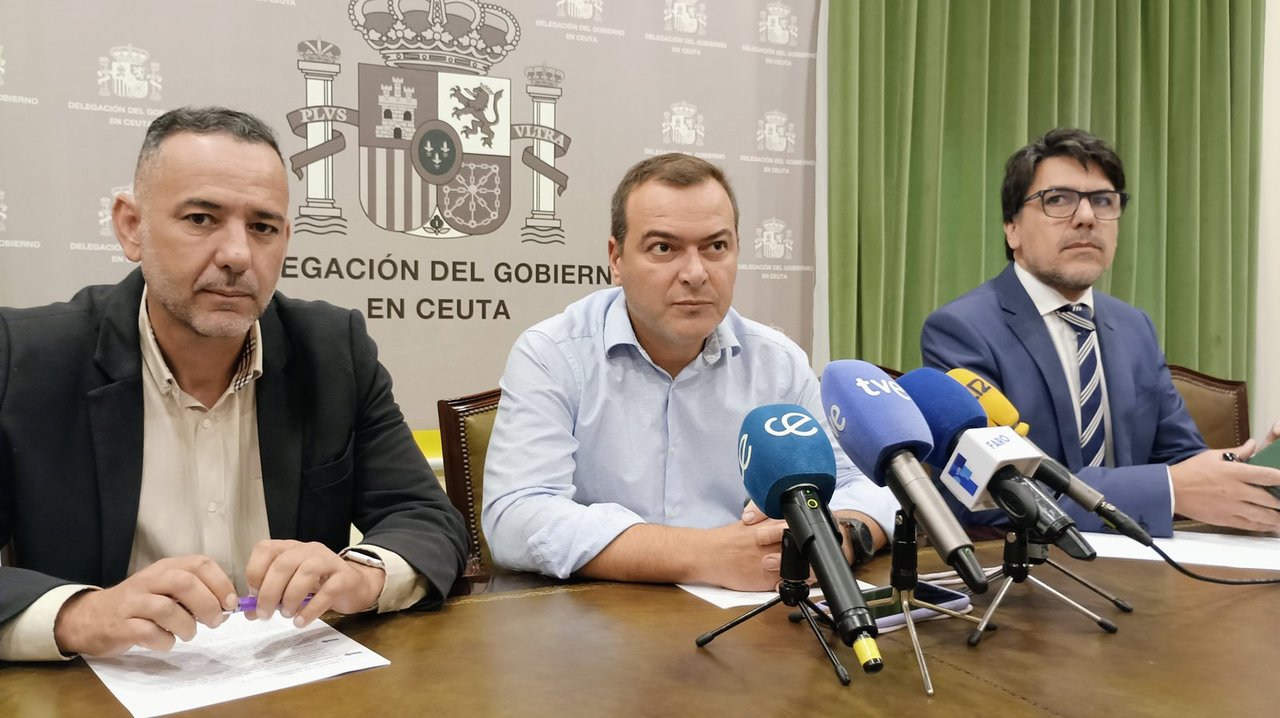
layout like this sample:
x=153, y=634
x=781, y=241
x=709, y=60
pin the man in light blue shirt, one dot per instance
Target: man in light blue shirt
x=614, y=451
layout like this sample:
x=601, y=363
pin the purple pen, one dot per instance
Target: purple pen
x=250, y=603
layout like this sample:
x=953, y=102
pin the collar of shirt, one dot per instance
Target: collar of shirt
x=247, y=371
x=618, y=331
x=1047, y=299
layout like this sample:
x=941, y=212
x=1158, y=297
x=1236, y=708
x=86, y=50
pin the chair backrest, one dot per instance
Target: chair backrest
x=893, y=373
x=1219, y=407
x=465, y=425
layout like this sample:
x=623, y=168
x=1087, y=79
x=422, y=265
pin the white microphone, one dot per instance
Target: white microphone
x=981, y=455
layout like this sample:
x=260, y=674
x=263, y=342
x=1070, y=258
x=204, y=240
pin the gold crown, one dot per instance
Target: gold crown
x=778, y=9
x=318, y=50
x=543, y=76
x=452, y=35
x=773, y=225
x=775, y=117
x=129, y=55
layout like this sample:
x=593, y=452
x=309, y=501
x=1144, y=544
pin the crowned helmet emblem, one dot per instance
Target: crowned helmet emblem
x=318, y=51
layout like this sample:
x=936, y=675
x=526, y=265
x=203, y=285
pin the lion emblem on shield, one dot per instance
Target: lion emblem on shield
x=475, y=103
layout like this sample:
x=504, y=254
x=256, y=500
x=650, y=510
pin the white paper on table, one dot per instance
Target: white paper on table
x=237, y=659
x=728, y=598
x=1196, y=548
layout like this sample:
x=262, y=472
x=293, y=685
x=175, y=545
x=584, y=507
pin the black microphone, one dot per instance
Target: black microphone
x=1050, y=472
x=1058, y=478
x=789, y=470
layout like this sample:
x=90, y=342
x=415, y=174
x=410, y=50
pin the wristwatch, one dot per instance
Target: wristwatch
x=364, y=558
x=860, y=538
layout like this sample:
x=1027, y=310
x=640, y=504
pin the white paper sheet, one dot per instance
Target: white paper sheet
x=726, y=598
x=1190, y=547
x=239, y=658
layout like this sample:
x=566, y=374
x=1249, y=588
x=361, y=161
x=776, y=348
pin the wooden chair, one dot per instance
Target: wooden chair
x=1219, y=407
x=893, y=373
x=465, y=426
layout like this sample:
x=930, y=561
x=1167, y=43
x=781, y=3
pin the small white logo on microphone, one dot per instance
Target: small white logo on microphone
x=793, y=422
x=838, y=422
x=744, y=454
x=878, y=387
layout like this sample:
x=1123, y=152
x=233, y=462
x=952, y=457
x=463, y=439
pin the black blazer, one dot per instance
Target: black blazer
x=335, y=448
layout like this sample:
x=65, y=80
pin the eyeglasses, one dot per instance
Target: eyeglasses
x=1060, y=202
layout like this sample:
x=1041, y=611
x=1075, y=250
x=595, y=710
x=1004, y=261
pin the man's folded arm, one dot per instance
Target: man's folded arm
x=529, y=516
x=400, y=505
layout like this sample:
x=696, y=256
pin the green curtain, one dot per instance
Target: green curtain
x=928, y=99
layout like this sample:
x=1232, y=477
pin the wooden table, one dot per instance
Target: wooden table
x=605, y=649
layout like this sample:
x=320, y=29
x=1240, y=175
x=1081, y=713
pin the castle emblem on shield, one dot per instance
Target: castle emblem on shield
x=435, y=128
x=773, y=240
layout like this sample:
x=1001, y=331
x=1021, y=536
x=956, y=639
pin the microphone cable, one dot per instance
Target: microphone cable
x=948, y=578
x=1210, y=579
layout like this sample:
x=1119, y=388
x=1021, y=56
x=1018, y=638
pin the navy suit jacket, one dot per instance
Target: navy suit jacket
x=996, y=331
x=334, y=446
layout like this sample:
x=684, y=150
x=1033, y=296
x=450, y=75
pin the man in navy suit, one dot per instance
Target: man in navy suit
x=1029, y=330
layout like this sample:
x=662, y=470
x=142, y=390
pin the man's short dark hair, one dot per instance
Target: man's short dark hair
x=203, y=121
x=675, y=169
x=1060, y=142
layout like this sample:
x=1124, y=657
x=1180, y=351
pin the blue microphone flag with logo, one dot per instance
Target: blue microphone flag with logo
x=780, y=447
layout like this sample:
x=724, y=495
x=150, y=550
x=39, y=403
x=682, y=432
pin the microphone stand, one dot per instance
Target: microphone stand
x=793, y=591
x=904, y=578
x=1021, y=552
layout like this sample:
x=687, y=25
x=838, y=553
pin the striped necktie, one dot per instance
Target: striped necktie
x=1092, y=430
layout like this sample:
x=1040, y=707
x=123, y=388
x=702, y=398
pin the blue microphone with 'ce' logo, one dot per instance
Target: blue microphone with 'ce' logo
x=789, y=469
x=782, y=446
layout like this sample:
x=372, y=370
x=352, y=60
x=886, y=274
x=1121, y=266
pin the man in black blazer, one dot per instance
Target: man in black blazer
x=189, y=434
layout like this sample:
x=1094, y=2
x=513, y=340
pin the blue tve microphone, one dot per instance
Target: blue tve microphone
x=880, y=428
x=789, y=470
x=955, y=417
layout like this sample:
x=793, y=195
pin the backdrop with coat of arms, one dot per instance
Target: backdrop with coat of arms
x=451, y=161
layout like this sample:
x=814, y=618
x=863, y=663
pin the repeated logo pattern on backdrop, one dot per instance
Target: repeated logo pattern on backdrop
x=450, y=161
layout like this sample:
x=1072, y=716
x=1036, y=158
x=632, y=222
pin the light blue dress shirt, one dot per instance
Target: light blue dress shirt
x=591, y=437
